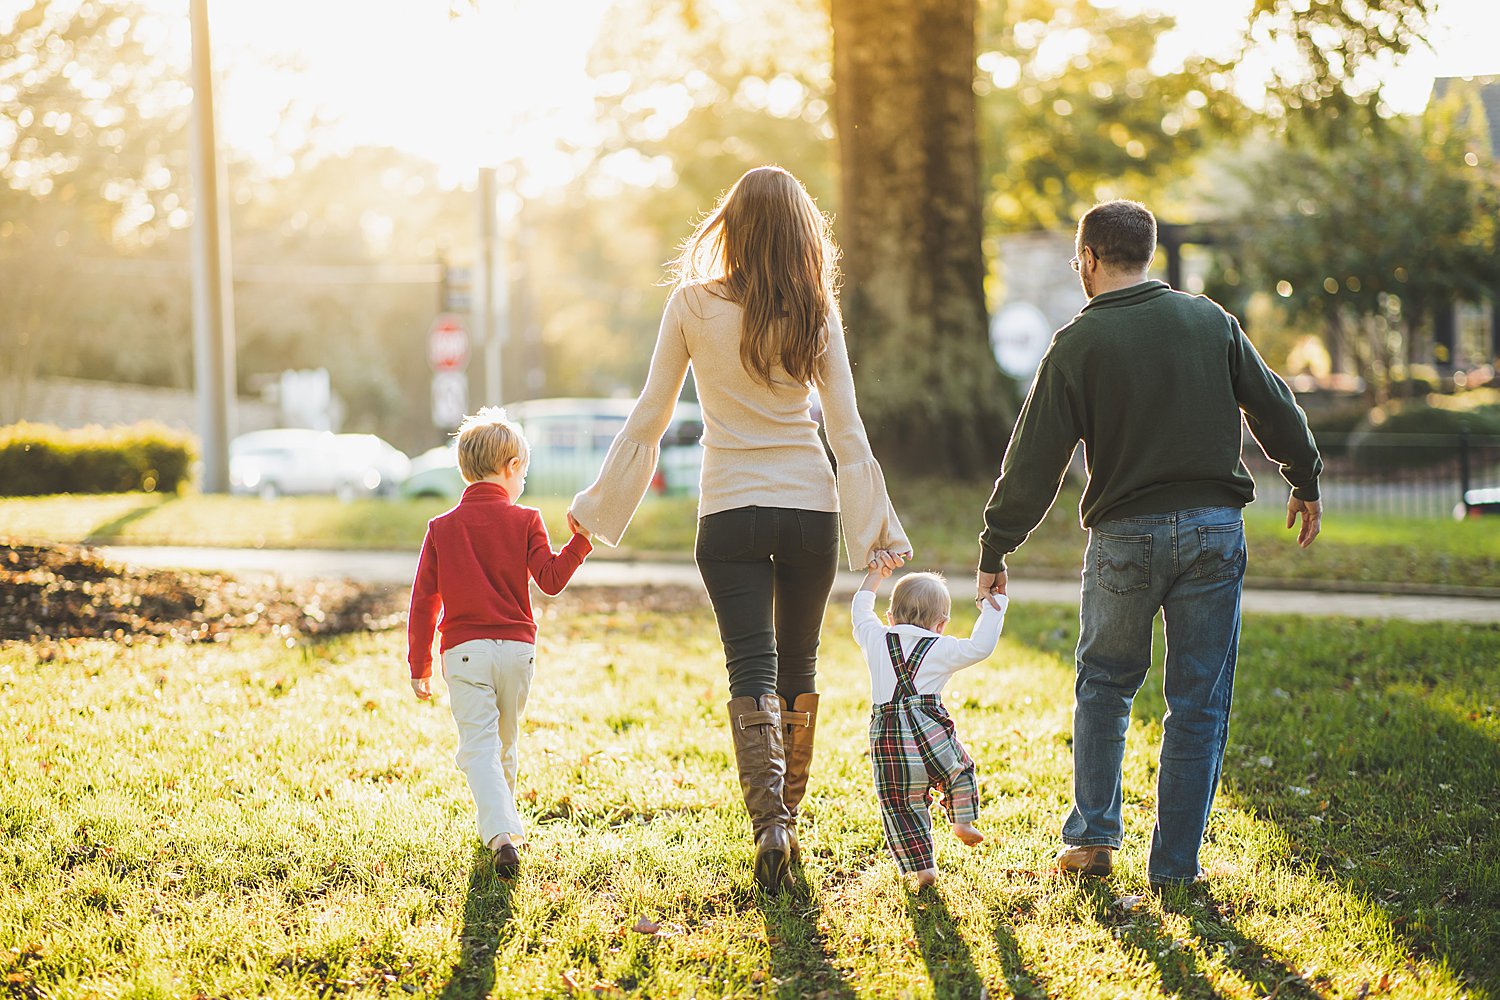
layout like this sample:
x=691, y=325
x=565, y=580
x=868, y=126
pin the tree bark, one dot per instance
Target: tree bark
x=911, y=224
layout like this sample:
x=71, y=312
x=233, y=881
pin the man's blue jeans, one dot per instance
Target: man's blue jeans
x=1190, y=564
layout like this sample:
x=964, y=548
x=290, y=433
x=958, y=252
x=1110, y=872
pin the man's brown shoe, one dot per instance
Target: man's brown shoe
x=1094, y=859
x=507, y=861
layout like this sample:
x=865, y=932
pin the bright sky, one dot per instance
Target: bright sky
x=508, y=79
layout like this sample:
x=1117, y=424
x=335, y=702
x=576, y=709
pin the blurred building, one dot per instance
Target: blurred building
x=1468, y=333
x=1487, y=88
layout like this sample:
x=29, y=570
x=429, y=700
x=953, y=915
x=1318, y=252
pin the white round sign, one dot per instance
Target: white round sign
x=1019, y=336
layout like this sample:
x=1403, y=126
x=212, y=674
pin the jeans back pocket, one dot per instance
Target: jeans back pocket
x=1221, y=552
x=727, y=534
x=820, y=531
x=1122, y=563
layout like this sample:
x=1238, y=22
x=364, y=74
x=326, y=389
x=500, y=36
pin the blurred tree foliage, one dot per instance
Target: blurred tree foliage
x=1329, y=56
x=1072, y=111
x=1367, y=240
x=91, y=143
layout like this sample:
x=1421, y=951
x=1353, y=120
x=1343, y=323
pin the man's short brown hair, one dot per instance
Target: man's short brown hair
x=487, y=441
x=921, y=599
x=1121, y=233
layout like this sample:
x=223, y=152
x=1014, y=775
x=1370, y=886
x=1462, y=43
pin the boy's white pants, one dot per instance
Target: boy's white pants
x=488, y=681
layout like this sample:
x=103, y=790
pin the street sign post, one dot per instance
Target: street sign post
x=448, y=354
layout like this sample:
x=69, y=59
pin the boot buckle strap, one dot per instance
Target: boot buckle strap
x=755, y=719
x=796, y=718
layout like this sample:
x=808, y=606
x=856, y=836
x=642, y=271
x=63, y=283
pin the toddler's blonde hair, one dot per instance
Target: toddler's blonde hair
x=487, y=441
x=921, y=599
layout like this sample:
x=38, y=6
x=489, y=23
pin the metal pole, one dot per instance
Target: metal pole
x=1464, y=472
x=213, y=293
x=489, y=285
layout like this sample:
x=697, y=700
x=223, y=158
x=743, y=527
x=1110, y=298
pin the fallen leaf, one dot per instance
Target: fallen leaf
x=569, y=981
x=645, y=925
x=1128, y=903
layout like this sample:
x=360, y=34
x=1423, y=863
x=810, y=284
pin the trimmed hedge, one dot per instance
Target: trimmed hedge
x=37, y=459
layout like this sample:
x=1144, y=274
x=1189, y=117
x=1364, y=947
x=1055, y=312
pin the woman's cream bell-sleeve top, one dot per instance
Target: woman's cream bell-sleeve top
x=760, y=443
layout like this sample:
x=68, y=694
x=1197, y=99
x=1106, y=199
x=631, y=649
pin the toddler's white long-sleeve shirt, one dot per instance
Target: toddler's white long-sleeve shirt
x=947, y=656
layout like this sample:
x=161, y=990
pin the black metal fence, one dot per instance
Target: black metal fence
x=1393, y=475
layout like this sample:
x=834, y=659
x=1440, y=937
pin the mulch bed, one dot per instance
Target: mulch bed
x=69, y=592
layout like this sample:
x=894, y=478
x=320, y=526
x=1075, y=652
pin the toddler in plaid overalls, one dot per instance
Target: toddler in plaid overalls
x=914, y=748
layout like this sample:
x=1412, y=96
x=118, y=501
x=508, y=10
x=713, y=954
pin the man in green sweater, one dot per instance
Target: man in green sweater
x=1153, y=382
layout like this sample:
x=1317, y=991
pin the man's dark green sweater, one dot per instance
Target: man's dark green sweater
x=1153, y=382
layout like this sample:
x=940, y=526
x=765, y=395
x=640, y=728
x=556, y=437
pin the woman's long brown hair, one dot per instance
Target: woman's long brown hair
x=771, y=252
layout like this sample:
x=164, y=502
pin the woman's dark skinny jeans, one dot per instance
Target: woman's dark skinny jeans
x=769, y=571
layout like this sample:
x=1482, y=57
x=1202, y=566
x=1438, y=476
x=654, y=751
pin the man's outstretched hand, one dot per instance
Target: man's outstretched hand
x=987, y=586
x=1312, y=519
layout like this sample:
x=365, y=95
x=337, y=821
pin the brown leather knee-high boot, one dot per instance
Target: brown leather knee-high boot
x=755, y=725
x=799, y=724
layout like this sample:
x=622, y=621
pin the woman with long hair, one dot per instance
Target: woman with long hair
x=753, y=311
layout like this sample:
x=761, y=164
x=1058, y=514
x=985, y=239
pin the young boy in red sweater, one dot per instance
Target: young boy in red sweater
x=476, y=564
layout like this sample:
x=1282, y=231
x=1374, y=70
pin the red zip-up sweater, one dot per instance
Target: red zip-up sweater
x=476, y=563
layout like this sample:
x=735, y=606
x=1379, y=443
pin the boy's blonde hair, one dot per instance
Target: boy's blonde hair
x=487, y=441
x=921, y=599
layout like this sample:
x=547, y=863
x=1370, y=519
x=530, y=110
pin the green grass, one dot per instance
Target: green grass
x=247, y=819
x=942, y=519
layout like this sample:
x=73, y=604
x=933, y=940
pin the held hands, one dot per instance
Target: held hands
x=987, y=587
x=886, y=562
x=579, y=529
x=882, y=564
x=1312, y=519
x=421, y=687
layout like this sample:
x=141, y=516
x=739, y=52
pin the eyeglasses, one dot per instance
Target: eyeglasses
x=1076, y=263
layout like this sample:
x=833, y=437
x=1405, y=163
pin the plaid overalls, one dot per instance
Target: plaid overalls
x=914, y=749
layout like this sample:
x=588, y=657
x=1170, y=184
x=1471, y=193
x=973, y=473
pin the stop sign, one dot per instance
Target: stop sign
x=447, y=344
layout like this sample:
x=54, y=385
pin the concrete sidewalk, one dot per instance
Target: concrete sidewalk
x=397, y=568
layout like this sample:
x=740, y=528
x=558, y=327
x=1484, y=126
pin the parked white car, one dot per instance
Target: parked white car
x=380, y=466
x=291, y=460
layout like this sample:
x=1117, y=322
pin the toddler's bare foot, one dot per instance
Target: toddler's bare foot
x=967, y=834
x=924, y=878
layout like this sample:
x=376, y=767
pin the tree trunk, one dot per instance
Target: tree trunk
x=911, y=222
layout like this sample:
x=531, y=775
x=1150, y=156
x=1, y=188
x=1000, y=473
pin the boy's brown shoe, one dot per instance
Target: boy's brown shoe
x=507, y=861
x=1093, y=859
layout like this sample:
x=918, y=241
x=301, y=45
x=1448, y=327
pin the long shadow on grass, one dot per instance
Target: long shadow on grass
x=799, y=955
x=1021, y=980
x=1398, y=810
x=1140, y=930
x=950, y=964
x=1379, y=791
x=487, y=908
x=110, y=530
